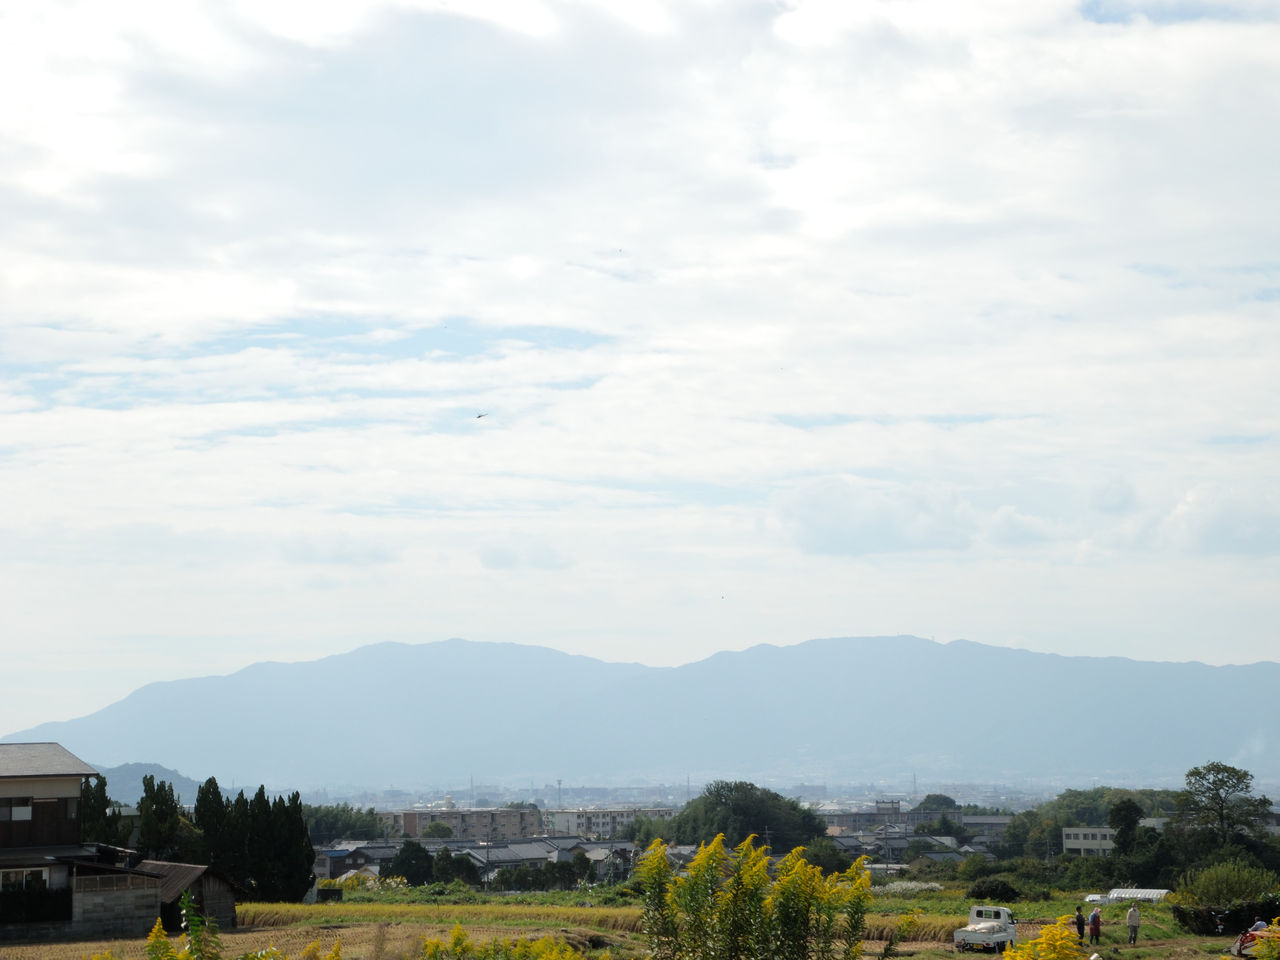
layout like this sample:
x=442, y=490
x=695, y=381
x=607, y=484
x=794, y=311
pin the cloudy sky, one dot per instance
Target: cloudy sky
x=635, y=329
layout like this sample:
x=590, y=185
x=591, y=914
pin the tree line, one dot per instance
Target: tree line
x=415, y=863
x=1216, y=819
x=261, y=844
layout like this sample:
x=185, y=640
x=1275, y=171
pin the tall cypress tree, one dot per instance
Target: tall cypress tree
x=259, y=844
x=159, y=820
x=211, y=819
x=300, y=855
x=235, y=844
x=99, y=818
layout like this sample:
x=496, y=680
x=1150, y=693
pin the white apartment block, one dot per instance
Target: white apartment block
x=1088, y=841
x=603, y=824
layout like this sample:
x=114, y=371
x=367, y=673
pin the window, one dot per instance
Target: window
x=15, y=808
x=35, y=879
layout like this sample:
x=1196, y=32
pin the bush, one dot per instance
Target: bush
x=975, y=867
x=726, y=903
x=1226, y=885
x=1206, y=920
x=993, y=889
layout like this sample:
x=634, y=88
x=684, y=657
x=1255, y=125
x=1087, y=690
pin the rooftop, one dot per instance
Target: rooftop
x=41, y=760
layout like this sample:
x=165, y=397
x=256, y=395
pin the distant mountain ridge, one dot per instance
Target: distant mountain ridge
x=124, y=782
x=851, y=709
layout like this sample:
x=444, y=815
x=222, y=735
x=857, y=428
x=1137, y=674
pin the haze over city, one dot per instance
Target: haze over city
x=637, y=330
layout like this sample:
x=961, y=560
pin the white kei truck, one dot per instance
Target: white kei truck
x=990, y=928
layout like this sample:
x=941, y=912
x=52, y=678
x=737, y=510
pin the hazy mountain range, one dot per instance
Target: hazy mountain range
x=849, y=710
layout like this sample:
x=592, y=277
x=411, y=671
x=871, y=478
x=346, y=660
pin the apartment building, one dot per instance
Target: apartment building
x=1088, y=841
x=603, y=824
x=489, y=825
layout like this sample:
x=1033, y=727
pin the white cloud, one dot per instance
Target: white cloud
x=839, y=516
x=1216, y=520
x=876, y=317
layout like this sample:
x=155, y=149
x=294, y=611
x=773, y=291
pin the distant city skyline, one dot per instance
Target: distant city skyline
x=641, y=330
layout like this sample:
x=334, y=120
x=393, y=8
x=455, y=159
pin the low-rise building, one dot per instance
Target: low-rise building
x=482, y=825
x=52, y=885
x=1088, y=841
x=592, y=822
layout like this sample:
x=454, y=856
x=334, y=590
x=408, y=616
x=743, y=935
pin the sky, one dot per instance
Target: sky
x=640, y=330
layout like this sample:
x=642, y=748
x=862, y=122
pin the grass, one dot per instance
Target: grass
x=515, y=917
x=390, y=930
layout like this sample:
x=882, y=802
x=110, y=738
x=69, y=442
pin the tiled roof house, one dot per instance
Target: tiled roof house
x=52, y=885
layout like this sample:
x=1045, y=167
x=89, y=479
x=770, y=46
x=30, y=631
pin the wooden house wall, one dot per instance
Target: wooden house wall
x=218, y=899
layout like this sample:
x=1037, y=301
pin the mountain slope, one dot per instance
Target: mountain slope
x=847, y=709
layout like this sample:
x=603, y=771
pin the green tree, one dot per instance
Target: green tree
x=295, y=851
x=210, y=816
x=447, y=867
x=558, y=876
x=259, y=844
x=342, y=821
x=739, y=809
x=1123, y=819
x=99, y=817
x=1227, y=884
x=944, y=826
x=823, y=853
x=513, y=878
x=235, y=842
x=278, y=853
x=643, y=830
x=164, y=833
x=1086, y=872
x=438, y=829
x=1031, y=834
x=973, y=867
x=1218, y=799
x=442, y=865
x=939, y=802
x=413, y=862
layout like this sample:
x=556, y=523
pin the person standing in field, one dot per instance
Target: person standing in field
x=1080, y=925
x=1095, y=926
x=1133, y=918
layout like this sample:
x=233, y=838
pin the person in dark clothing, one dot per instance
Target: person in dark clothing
x=1080, y=924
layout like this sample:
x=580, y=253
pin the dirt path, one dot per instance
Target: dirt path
x=360, y=941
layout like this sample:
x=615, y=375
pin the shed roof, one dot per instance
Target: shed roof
x=41, y=760
x=177, y=876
